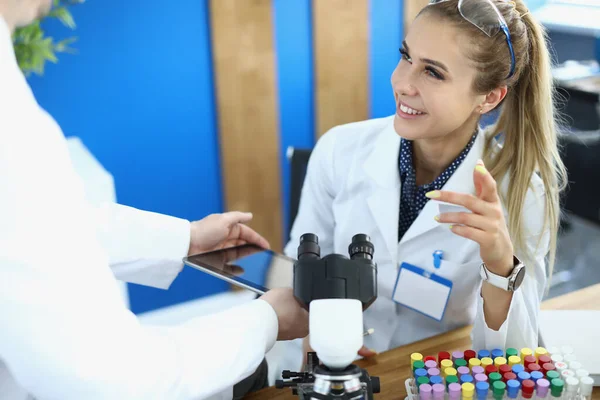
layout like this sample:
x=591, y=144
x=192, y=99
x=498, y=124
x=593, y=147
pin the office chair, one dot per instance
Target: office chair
x=298, y=159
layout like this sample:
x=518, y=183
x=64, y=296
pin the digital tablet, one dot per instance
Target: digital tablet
x=248, y=266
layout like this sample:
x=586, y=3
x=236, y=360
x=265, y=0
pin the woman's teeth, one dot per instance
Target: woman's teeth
x=409, y=110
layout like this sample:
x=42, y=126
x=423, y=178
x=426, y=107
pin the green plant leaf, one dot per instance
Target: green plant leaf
x=63, y=16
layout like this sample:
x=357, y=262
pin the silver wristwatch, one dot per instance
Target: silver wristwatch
x=510, y=283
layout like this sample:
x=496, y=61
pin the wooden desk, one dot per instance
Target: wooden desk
x=393, y=366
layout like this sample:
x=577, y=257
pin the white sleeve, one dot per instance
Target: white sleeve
x=143, y=247
x=521, y=327
x=66, y=333
x=315, y=212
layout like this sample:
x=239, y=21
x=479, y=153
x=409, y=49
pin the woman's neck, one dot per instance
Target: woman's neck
x=433, y=155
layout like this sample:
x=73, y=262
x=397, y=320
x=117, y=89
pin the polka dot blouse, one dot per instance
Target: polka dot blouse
x=412, y=197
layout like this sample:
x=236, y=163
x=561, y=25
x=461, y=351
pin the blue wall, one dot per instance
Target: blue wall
x=139, y=93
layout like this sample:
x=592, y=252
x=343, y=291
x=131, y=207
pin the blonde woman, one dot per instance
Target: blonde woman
x=440, y=267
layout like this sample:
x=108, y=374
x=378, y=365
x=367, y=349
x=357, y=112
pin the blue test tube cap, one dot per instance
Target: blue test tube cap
x=497, y=353
x=482, y=389
x=523, y=376
x=435, y=380
x=466, y=378
x=535, y=375
x=483, y=353
x=517, y=369
x=512, y=388
x=420, y=372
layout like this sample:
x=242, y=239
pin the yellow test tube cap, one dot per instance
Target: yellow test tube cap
x=414, y=357
x=498, y=361
x=451, y=371
x=485, y=361
x=468, y=390
x=526, y=352
x=513, y=360
x=540, y=351
x=474, y=362
x=446, y=364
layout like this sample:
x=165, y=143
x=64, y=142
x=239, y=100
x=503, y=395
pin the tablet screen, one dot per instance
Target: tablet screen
x=247, y=266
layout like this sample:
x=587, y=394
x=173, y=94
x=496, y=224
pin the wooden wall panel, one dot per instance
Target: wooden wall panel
x=244, y=67
x=411, y=9
x=341, y=46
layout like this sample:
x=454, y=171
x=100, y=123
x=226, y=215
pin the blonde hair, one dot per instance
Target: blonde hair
x=528, y=122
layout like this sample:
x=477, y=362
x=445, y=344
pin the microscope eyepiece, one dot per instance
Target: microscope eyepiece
x=309, y=246
x=361, y=247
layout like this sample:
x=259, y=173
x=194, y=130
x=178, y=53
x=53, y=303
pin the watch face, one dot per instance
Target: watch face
x=519, y=278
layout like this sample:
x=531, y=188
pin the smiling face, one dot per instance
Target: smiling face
x=433, y=82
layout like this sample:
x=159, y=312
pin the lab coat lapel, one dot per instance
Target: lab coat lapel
x=384, y=202
x=461, y=181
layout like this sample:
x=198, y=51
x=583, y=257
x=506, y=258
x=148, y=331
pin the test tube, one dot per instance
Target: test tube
x=535, y=375
x=575, y=365
x=445, y=364
x=485, y=361
x=512, y=388
x=567, y=373
x=468, y=390
x=527, y=389
x=553, y=375
x=561, y=366
x=554, y=350
x=548, y=367
x=463, y=371
x=439, y=391
x=418, y=365
x=483, y=354
x=511, y=352
x=525, y=351
x=556, y=358
x=433, y=372
x=523, y=376
x=499, y=361
x=469, y=354
x=414, y=357
x=443, y=355
x=586, y=385
x=427, y=358
x=556, y=388
x=544, y=359
x=518, y=368
x=542, y=386
x=498, y=390
x=430, y=364
x=419, y=373
x=497, y=353
x=490, y=369
x=572, y=385
x=482, y=389
x=512, y=360
x=451, y=379
x=565, y=350
x=457, y=354
x=533, y=367
x=509, y=376
x=568, y=358
x=481, y=378
x=529, y=360
x=474, y=362
x=466, y=379
x=436, y=380
x=454, y=390
x=494, y=377
x=450, y=372
x=581, y=373
x=425, y=392
x=503, y=369
x=477, y=370
x=540, y=351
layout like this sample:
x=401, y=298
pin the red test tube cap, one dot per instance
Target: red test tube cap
x=528, y=387
x=505, y=368
x=533, y=367
x=530, y=360
x=548, y=367
x=443, y=355
x=490, y=369
x=428, y=358
x=508, y=376
x=470, y=354
x=544, y=359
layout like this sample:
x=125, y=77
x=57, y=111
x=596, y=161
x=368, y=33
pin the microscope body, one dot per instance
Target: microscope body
x=336, y=290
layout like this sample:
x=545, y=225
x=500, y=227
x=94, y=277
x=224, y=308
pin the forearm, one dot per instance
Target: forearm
x=496, y=301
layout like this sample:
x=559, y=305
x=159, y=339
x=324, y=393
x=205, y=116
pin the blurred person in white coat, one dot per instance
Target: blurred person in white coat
x=387, y=178
x=65, y=332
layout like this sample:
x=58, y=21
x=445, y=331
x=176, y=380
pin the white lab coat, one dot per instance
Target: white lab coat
x=353, y=186
x=65, y=332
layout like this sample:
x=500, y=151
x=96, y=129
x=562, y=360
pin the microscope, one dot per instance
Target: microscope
x=335, y=290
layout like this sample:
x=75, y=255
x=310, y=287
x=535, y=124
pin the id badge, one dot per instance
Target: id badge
x=422, y=291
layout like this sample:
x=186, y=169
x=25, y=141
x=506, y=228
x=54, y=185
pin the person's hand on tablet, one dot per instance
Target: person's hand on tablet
x=218, y=231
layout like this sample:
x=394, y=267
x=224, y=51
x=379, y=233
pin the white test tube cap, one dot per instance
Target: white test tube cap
x=586, y=385
x=567, y=373
x=569, y=358
x=336, y=330
x=581, y=373
x=557, y=358
x=575, y=365
x=561, y=366
x=554, y=351
x=566, y=350
x=572, y=384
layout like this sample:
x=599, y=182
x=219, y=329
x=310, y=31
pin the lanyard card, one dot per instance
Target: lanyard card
x=422, y=291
